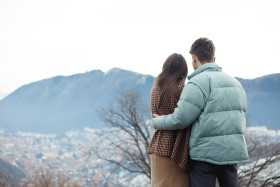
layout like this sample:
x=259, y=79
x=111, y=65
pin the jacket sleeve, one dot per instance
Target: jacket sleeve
x=189, y=107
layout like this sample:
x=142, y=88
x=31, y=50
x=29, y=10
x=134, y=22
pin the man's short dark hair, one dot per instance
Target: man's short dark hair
x=204, y=49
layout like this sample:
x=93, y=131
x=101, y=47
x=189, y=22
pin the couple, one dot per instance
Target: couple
x=200, y=126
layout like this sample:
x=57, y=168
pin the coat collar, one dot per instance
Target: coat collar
x=205, y=67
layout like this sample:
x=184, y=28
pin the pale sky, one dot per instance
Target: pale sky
x=42, y=39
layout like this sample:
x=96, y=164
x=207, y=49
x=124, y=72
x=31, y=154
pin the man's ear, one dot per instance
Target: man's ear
x=214, y=59
x=194, y=58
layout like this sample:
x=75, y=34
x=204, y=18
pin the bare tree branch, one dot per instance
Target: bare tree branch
x=265, y=160
x=132, y=119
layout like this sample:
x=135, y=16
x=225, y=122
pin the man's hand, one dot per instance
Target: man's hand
x=154, y=117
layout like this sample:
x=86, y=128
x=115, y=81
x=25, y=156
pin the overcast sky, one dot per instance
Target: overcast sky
x=41, y=39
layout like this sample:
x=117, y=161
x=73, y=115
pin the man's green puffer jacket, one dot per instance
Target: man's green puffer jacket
x=214, y=103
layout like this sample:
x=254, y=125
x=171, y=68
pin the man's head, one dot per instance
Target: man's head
x=202, y=51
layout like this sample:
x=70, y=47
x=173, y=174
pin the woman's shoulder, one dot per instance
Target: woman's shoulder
x=155, y=88
x=155, y=92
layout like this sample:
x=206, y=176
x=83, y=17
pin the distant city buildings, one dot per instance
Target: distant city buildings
x=69, y=154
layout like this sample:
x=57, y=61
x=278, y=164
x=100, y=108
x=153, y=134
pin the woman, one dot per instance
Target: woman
x=169, y=149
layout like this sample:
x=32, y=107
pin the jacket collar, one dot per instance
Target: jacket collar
x=205, y=67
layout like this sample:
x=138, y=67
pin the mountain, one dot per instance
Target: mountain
x=263, y=97
x=65, y=103
x=2, y=95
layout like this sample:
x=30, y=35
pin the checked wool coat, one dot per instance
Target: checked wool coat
x=174, y=143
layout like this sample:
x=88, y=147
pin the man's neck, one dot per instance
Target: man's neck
x=201, y=64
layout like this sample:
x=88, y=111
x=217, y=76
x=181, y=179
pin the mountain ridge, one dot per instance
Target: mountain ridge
x=62, y=103
x=70, y=99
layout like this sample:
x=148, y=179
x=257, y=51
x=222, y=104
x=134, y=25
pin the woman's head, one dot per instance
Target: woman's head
x=174, y=70
x=175, y=65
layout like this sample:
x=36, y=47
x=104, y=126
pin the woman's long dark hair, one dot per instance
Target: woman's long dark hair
x=174, y=70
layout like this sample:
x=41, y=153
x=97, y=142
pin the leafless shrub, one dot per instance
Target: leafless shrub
x=44, y=177
x=4, y=180
x=263, y=169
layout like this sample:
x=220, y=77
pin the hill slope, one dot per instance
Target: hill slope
x=10, y=173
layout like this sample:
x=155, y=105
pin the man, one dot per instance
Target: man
x=214, y=103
